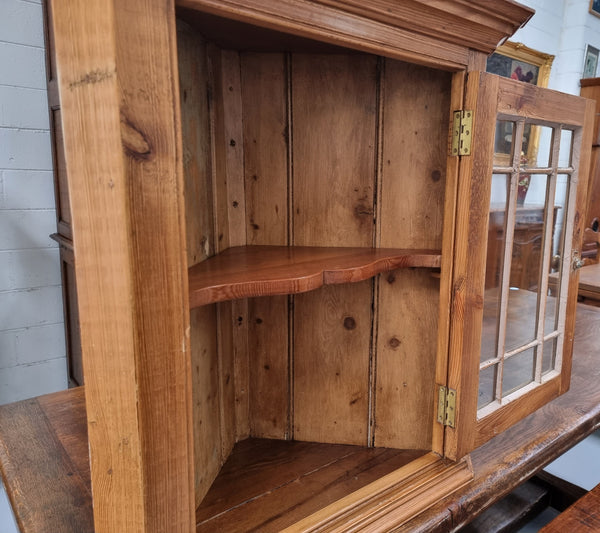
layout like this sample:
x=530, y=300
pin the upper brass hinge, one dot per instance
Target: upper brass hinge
x=462, y=128
x=446, y=409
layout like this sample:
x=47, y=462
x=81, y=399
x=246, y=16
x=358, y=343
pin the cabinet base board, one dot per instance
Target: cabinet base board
x=270, y=485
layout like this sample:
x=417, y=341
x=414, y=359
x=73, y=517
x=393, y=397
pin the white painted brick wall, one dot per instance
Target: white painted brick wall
x=32, y=345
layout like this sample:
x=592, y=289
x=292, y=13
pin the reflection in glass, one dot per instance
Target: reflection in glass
x=566, y=148
x=519, y=370
x=487, y=386
x=503, y=144
x=521, y=320
x=549, y=356
x=526, y=243
x=537, y=146
x=495, y=260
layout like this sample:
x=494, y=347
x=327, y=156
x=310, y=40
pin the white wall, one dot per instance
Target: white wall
x=562, y=28
x=32, y=346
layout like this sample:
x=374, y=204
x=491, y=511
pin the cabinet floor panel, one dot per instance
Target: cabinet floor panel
x=267, y=485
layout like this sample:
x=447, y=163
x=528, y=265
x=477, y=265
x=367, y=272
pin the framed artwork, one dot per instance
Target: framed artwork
x=595, y=7
x=591, y=61
x=519, y=62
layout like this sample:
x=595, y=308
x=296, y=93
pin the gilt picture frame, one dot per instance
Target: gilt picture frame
x=519, y=62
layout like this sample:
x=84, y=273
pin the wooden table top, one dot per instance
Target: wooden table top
x=589, y=278
x=44, y=464
x=583, y=516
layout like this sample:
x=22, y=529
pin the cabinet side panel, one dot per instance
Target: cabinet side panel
x=265, y=112
x=205, y=394
x=195, y=130
x=195, y=126
x=415, y=126
x=334, y=124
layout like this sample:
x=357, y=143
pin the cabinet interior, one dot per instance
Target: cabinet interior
x=293, y=143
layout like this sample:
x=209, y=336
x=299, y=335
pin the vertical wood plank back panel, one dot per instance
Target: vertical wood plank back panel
x=265, y=108
x=230, y=229
x=415, y=126
x=406, y=349
x=332, y=330
x=208, y=455
x=334, y=112
x=118, y=86
x=197, y=169
x=195, y=130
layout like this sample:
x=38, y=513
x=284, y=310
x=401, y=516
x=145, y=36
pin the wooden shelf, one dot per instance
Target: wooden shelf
x=247, y=271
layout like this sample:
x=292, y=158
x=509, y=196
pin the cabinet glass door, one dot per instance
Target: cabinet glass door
x=516, y=243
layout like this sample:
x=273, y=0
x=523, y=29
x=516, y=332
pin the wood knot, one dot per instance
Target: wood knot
x=391, y=277
x=349, y=323
x=394, y=342
x=134, y=142
x=436, y=175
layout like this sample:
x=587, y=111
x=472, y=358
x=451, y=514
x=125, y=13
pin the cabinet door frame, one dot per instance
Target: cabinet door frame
x=490, y=96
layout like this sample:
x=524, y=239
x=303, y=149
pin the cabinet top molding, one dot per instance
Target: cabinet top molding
x=432, y=32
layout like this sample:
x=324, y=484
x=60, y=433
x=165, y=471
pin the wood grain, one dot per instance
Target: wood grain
x=332, y=335
x=412, y=200
x=386, y=28
x=583, y=516
x=120, y=110
x=278, y=482
x=499, y=466
x=265, y=88
x=240, y=272
x=34, y=458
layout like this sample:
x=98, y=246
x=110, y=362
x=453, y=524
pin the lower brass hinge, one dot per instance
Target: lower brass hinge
x=462, y=128
x=446, y=409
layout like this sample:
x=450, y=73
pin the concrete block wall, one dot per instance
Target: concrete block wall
x=32, y=345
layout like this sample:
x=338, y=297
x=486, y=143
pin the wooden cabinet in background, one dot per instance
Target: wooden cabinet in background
x=64, y=234
x=281, y=263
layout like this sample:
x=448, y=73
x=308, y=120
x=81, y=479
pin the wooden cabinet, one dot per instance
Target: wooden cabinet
x=280, y=262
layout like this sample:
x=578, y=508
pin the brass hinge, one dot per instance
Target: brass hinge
x=446, y=410
x=462, y=128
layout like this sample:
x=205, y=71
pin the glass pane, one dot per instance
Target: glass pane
x=503, y=144
x=558, y=239
x=487, y=386
x=548, y=356
x=494, y=261
x=518, y=371
x=521, y=319
x=565, y=151
x=537, y=145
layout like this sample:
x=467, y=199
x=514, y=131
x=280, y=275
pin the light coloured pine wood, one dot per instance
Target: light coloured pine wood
x=206, y=393
x=412, y=200
x=487, y=94
x=331, y=364
x=449, y=224
x=435, y=35
x=469, y=255
x=230, y=230
x=266, y=135
x=334, y=124
x=244, y=271
x=392, y=500
x=208, y=456
x=119, y=97
x=195, y=132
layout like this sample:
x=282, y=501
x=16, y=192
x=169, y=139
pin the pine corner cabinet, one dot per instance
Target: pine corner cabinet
x=295, y=225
